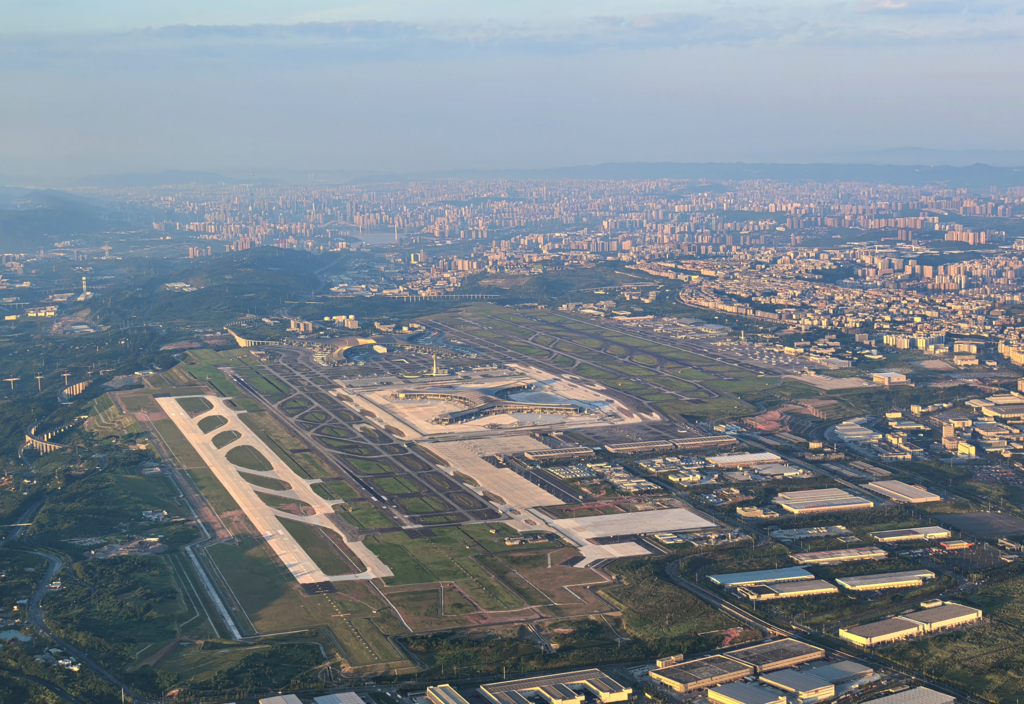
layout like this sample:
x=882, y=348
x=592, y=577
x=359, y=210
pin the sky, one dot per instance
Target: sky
x=116, y=86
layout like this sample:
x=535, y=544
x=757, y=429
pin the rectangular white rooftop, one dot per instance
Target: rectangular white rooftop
x=867, y=581
x=637, y=523
x=904, y=493
x=739, y=579
x=917, y=695
x=747, y=458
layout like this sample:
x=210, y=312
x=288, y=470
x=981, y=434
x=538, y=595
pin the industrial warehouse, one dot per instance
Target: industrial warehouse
x=887, y=580
x=821, y=501
x=717, y=669
x=778, y=654
x=564, y=688
x=903, y=493
x=691, y=443
x=908, y=534
x=745, y=693
x=826, y=557
x=787, y=590
x=744, y=460
x=934, y=617
x=701, y=674
x=742, y=579
x=802, y=685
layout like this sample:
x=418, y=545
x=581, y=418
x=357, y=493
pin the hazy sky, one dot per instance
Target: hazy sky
x=398, y=85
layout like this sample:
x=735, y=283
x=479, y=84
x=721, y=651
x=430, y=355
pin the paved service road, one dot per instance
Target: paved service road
x=263, y=517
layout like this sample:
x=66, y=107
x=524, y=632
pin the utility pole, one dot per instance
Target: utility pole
x=39, y=381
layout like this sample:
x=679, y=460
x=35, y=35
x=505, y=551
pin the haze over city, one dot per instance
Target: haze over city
x=512, y=352
x=404, y=87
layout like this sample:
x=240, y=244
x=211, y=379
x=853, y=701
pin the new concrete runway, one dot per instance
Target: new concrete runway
x=263, y=517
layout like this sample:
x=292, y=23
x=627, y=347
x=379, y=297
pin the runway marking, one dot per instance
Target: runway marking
x=263, y=517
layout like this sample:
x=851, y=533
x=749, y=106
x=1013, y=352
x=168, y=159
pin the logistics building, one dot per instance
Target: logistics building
x=706, y=672
x=956, y=544
x=444, y=694
x=905, y=534
x=700, y=674
x=741, y=579
x=889, y=630
x=821, y=501
x=917, y=695
x=886, y=580
x=692, y=443
x=746, y=459
x=788, y=590
x=826, y=557
x=946, y=616
x=842, y=671
x=564, y=688
x=941, y=617
x=745, y=693
x=903, y=493
x=564, y=453
x=803, y=685
x=777, y=654
x=352, y=698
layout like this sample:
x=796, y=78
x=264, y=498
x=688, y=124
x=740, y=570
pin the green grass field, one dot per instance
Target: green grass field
x=396, y=485
x=372, y=466
x=319, y=548
x=349, y=448
x=335, y=432
x=211, y=488
x=265, y=482
x=275, y=501
x=211, y=423
x=182, y=449
x=221, y=440
x=448, y=556
x=249, y=457
x=421, y=504
x=364, y=516
x=195, y=405
x=335, y=490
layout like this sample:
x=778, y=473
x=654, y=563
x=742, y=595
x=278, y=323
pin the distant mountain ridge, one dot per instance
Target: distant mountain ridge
x=974, y=176
x=163, y=178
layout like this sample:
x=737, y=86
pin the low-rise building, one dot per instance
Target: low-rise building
x=802, y=685
x=821, y=501
x=745, y=693
x=916, y=695
x=698, y=674
x=741, y=579
x=889, y=630
x=788, y=590
x=907, y=534
x=825, y=557
x=887, y=580
x=903, y=493
x=777, y=654
x=562, y=688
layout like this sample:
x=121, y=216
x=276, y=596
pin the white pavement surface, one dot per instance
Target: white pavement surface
x=466, y=457
x=263, y=517
x=636, y=523
x=580, y=531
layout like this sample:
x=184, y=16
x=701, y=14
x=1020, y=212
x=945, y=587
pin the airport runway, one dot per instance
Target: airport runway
x=263, y=517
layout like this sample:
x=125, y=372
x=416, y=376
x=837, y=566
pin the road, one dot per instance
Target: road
x=832, y=645
x=36, y=617
x=262, y=516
